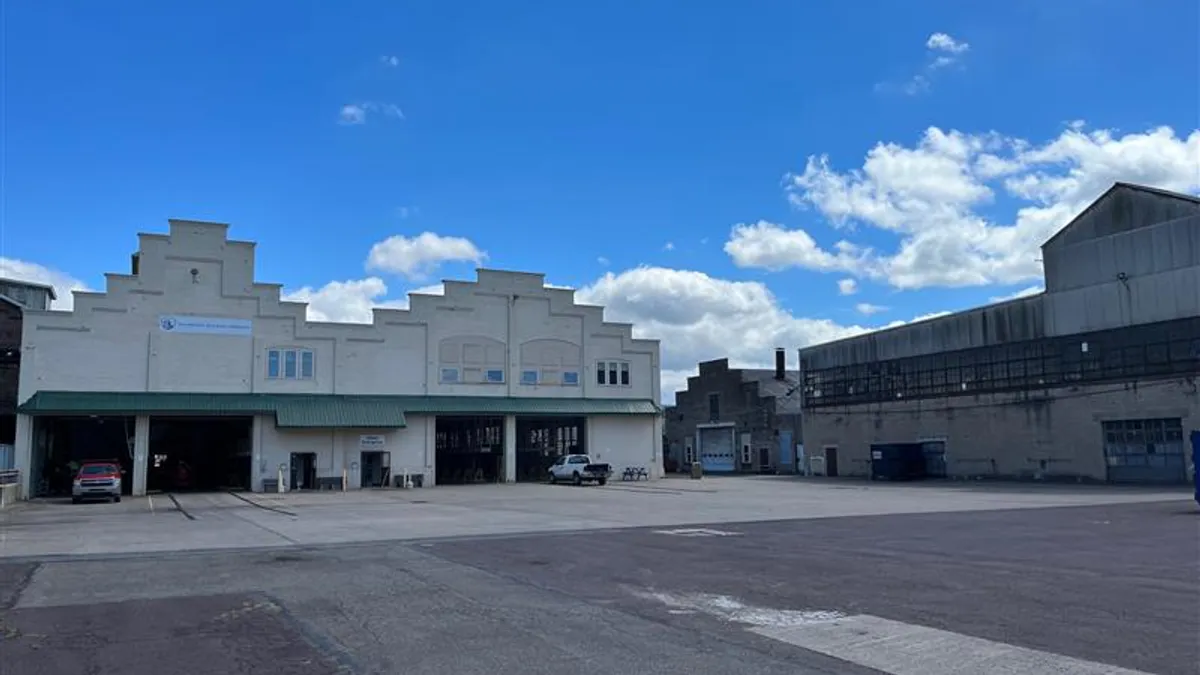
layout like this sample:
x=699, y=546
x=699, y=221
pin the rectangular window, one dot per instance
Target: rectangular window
x=625, y=374
x=570, y=378
x=495, y=376
x=746, y=454
x=289, y=364
x=612, y=372
x=529, y=377
x=273, y=364
x=449, y=375
x=600, y=372
x=306, y=365
x=714, y=407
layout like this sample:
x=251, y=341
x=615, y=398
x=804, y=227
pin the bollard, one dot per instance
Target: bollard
x=697, y=470
x=343, y=479
x=279, y=485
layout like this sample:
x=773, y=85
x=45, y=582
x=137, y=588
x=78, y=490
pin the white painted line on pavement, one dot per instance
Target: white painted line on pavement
x=905, y=649
x=698, y=532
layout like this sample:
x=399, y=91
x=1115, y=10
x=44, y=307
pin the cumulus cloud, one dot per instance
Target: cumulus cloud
x=390, y=61
x=62, y=283
x=867, y=309
x=847, y=286
x=938, y=196
x=416, y=257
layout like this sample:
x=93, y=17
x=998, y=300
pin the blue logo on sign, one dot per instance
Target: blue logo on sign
x=168, y=323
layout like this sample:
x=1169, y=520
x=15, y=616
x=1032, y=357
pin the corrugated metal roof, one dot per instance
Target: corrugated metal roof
x=321, y=410
x=338, y=411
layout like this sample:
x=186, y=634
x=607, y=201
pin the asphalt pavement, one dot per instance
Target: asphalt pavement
x=1083, y=589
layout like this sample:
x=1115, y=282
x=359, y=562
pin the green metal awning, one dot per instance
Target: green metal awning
x=320, y=410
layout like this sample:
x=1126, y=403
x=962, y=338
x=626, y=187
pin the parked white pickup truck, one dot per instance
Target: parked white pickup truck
x=579, y=469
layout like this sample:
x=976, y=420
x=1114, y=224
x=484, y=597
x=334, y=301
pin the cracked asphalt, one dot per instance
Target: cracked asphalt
x=1114, y=584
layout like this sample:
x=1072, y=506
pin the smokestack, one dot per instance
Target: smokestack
x=780, y=363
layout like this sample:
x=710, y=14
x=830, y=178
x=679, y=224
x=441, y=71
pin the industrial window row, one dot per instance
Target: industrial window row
x=1148, y=351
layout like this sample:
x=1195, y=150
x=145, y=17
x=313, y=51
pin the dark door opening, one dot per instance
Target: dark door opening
x=908, y=461
x=764, y=460
x=542, y=440
x=375, y=468
x=303, y=474
x=199, y=454
x=469, y=450
x=831, y=467
x=61, y=444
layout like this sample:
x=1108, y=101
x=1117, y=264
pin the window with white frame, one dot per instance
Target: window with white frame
x=613, y=373
x=689, y=455
x=529, y=377
x=570, y=378
x=449, y=376
x=746, y=459
x=495, y=375
x=290, y=363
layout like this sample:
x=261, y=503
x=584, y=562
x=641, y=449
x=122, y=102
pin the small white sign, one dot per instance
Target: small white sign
x=173, y=323
x=371, y=442
x=876, y=454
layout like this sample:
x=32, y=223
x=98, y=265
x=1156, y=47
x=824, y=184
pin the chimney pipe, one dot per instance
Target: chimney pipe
x=780, y=363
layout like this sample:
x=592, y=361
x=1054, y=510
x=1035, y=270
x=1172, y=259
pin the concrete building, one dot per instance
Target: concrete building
x=196, y=376
x=1093, y=379
x=736, y=420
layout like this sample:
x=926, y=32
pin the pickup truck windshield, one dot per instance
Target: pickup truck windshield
x=97, y=469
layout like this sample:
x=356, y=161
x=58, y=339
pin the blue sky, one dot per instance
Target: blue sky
x=582, y=140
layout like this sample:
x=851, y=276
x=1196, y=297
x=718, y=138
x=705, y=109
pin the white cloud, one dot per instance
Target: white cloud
x=937, y=196
x=418, y=256
x=341, y=301
x=944, y=43
x=352, y=113
x=406, y=212
x=669, y=246
x=390, y=61
x=1023, y=293
x=699, y=317
x=603, y=261
x=770, y=246
x=941, y=51
x=867, y=309
x=356, y=113
x=847, y=286
x=61, y=282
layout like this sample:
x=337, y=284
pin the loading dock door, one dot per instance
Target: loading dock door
x=1145, y=451
x=716, y=448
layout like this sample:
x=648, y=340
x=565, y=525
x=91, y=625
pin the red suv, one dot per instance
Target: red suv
x=97, y=480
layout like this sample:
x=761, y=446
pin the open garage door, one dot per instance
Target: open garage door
x=199, y=453
x=542, y=440
x=469, y=449
x=716, y=448
x=61, y=444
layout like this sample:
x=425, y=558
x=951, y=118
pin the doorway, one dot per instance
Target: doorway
x=376, y=469
x=542, y=440
x=199, y=453
x=831, y=467
x=764, y=459
x=304, y=471
x=468, y=450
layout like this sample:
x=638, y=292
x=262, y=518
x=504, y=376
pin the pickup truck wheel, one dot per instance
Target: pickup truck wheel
x=602, y=481
x=76, y=500
x=553, y=478
x=117, y=499
x=578, y=479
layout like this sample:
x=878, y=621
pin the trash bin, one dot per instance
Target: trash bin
x=697, y=470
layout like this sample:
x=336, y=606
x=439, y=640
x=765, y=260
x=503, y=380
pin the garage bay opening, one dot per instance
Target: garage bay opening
x=469, y=450
x=199, y=454
x=541, y=440
x=62, y=444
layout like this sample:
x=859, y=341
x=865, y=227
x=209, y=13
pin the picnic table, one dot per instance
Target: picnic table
x=635, y=473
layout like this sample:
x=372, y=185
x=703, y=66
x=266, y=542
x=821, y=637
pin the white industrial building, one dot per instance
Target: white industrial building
x=196, y=376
